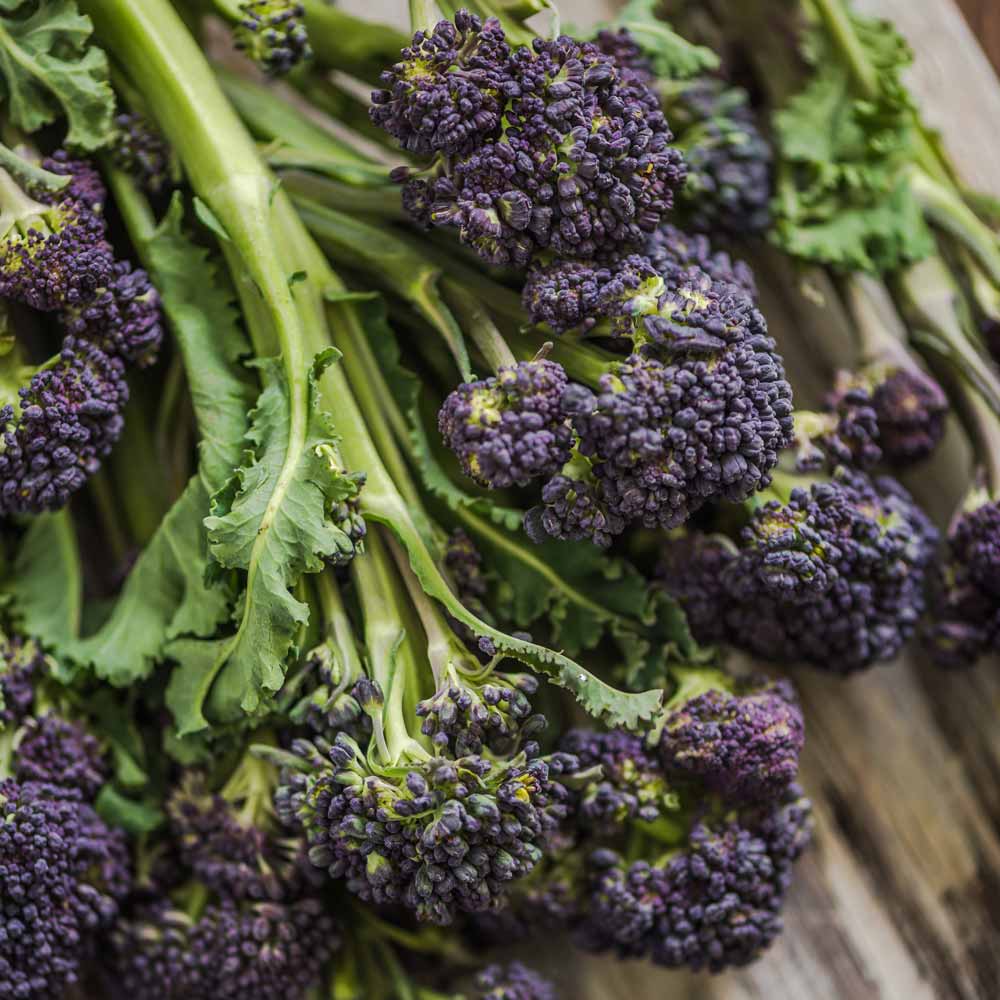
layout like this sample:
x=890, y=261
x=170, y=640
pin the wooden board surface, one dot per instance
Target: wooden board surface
x=984, y=19
x=900, y=895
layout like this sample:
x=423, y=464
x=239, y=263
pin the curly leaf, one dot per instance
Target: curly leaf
x=270, y=522
x=49, y=68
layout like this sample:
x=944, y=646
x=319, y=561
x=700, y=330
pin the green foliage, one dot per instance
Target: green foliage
x=49, y=69
x=269, y=523
x=847, y=142
x=671, y=57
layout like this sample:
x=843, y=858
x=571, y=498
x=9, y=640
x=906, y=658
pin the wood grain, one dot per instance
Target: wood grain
x=900, y=896
x=984, y=19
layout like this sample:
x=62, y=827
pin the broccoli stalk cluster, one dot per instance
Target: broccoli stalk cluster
x=679, y=845
x=448, y=800
x=60, y=418
x=227, y=907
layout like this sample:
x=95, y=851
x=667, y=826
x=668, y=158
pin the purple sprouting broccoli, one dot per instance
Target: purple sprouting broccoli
x=65, y=873
x=619, y=294
x=847, y=433
x=710, y=900
x=579, y=164
x=266, y=950
x=142, y=152
x=965, y=605
x=61, y=752
x=53, y=250
x=740, y=738
x=909, y=406
x=629, y=782
x=514, y=981
x=831, y=574
x=627, y=54
x=22, y=665
x=63, y=422
x=270, y=32
x=665, y=438
x=230, y=841
x=510, y=428
x=729, y=161
x=122, y=318
x=668, y=245
x=573, y=508
x=448, y=91
x=85, y=183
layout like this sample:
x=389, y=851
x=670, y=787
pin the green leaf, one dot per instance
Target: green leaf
x=844, y=198
x=49, y=68
x=210, y=220
x=134, y=816
x=165, y=596
x=205, y=323
x=46, y=585
x=270, y=522
x=671, y=57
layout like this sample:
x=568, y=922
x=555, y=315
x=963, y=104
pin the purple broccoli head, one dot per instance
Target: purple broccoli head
x=509, y=429
x=668, y=247
x=272, y=33
x=69, y=417
x=59, y=752
x=510, y=982
x=448, y=91
x=142, y=152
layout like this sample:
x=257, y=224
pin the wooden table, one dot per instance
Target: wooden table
x=984, y=18
x=899, y=899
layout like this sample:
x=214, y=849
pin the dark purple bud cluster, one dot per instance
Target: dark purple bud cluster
x=272, y=33
x=478, y=709
x=142, y=152
x=549, y=148
x=510, y=982
x=629, y=783
x=60, y=752
x=743, y=744
x=728, y=185
x=448, y=91
x=574, y=510
x=835, y=577
x=122, y=318
x=85, y=185
x=64, y=873
x=229, y=855
x=22, y=664
x=908, y=409
x=509, y=429
x=265, y=950
x=628, y=56
x=965, y=607
x=70, y=416
x=666, y=438
x=668, y=246
x=438, y=835
x=847, y=434
x=328, y=705
x=713, y=904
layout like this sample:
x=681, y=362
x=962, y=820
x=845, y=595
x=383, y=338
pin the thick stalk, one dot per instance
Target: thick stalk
x=880, y=332
x=337, y=625
x=424, y=14
x=984, y=429
x=114, y=535
x=478, y=324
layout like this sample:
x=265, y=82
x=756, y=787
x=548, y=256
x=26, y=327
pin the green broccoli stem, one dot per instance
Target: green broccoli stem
x=880, y=332
x=109, y=515
x=251, y=786
x=338, y=629
x=476, y=321
x=940, y=324
x=392, y=657
x=319, y=180
x=340, y=41
x=341, y=103
x=424, y=14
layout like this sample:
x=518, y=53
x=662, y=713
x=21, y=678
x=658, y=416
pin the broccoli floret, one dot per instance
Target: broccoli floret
x=573, y=508
x=60, y=752
x=729, y=161
x=64, y=875
x=669, y=245
x=832, y=575
x=627, y=54
x=448, y=91
x=509, y=982
x=580, y=161
x=271, y=32
x=22, y=662
x=142, y=152
x=53, y=250
x=63, y=422
x=509, y=429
